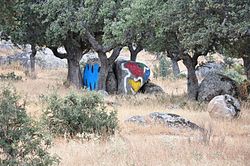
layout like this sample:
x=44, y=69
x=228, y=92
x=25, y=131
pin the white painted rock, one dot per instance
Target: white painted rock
x=224, y=106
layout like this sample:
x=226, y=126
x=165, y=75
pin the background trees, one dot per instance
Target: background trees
x=22, y=25
x=182, y=29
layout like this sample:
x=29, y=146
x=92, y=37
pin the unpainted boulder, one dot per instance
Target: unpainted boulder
x=216, y=84
x=111, y=82
x=168, y=119
x=205, y=69
x=173, y=120
x=224, y=106
x=151, y=88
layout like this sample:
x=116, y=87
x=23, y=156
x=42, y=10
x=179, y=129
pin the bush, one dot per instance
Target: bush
x=233, y=74
x=21, y=140
x=164, y=68
x=78, y=114
x=10, y=76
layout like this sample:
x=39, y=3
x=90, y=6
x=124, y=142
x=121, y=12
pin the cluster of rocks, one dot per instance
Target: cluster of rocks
x=44, y=58
x=167, y=119
x=221, y=92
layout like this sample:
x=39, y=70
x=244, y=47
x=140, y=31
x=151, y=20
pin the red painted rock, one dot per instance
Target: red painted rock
x=131, y=76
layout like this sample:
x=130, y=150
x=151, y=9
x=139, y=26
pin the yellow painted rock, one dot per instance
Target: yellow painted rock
x=136, y=85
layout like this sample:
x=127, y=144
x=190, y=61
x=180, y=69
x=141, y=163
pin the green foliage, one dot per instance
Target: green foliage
x=156, y=71
x=235, y=75
x=164, y=68
x=234, y=70
x=22, y=142
x=10, y=76
x=79, y=114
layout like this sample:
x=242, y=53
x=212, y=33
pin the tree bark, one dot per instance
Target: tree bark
x=192, y=81
x=175, y=67
x=103, y=74
x=246, y=63
x=33, y=61
x=106, y=63
x=74, y=76
x=134, y=52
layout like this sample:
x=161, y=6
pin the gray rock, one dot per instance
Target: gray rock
x=103, y=93
x=44, y=57
x=111, y=82
x=224, y=106
x=173, y=120
x=216, y=84
x=151, y=88
x=20, y=58
x=136, y=119
x=205, y=69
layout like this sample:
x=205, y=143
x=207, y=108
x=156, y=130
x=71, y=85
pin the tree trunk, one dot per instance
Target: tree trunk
x=33, y=61
x=192, y=81
x=134, y=52
x=103, y=74
x=133, y=56
x=74, y=73
x=175, y=67
x=246, y=63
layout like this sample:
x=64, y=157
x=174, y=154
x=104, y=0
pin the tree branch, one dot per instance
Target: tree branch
x=58, y=54
x=96, y=46
x=114, y=55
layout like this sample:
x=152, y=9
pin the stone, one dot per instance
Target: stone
x=136, y=119
x=173, y=120
x=44, y=58
x=205, y=69
x=151, y=88
x=103, y=93
x=111, y=83
x=21, y=58
x=131, y=76
x=216, y=84
x=224, y=106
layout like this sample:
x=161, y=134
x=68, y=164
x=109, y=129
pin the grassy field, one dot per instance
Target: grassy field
x=226, y=143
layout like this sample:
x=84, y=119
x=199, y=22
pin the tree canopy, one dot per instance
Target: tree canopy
x=183, y=29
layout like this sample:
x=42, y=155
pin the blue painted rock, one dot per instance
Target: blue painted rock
x=131, y=76
x=91, y=74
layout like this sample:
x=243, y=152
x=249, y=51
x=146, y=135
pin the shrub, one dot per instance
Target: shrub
x=10, y=76
x=164, y=68
x=233, y=74
x=21, y=140
x=156, y=72
x=78, y=114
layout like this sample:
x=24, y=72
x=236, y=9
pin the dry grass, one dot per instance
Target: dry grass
x=227, y=142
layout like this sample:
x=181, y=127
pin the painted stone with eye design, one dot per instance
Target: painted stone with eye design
x=131, y=76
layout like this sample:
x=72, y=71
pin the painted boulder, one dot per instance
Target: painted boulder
x=91, y=74
x=131, y=76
